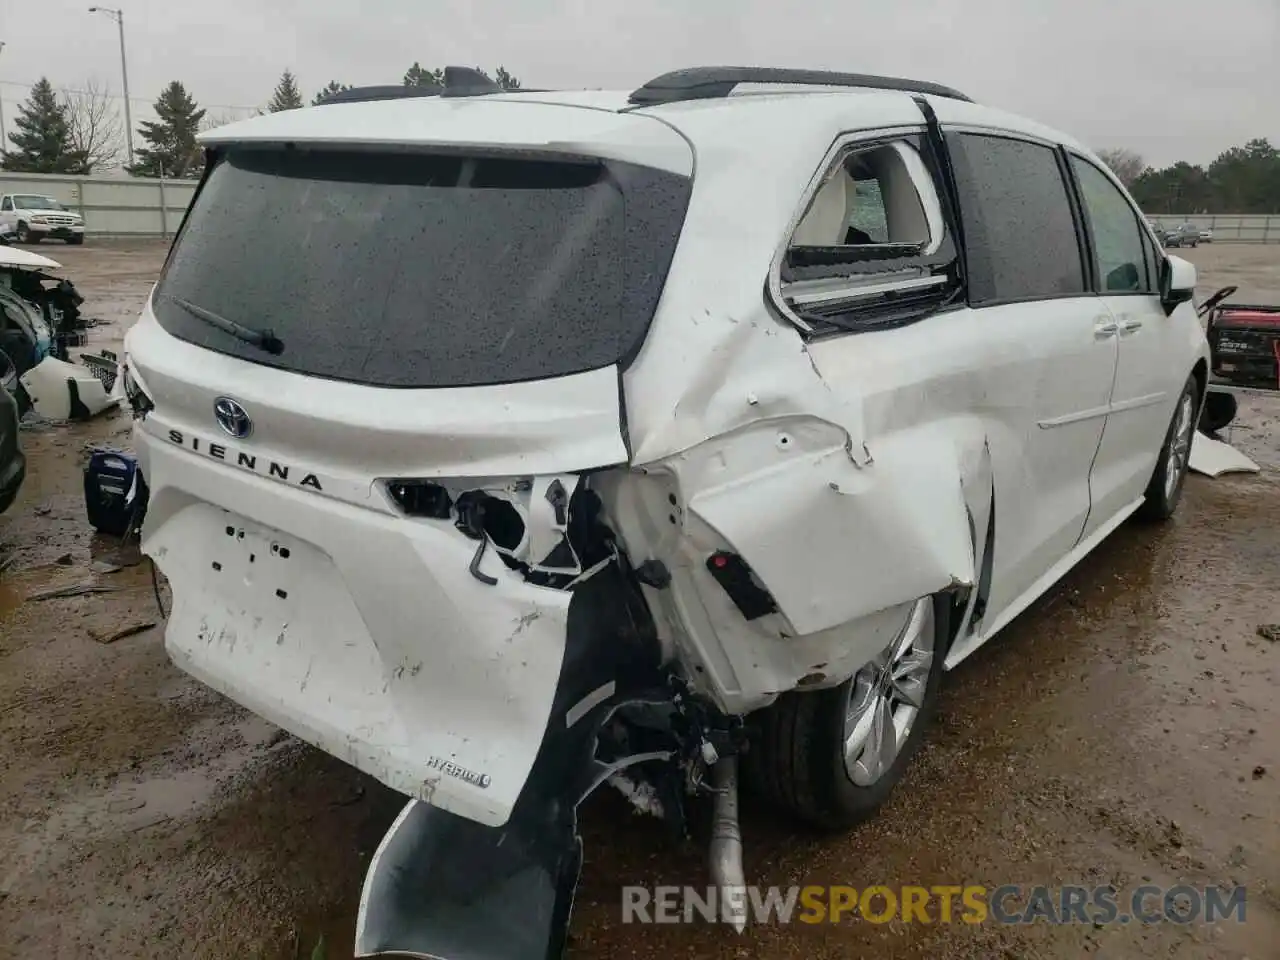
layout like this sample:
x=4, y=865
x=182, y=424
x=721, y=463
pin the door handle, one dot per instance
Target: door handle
x=1130, y=325
x=1105, y=328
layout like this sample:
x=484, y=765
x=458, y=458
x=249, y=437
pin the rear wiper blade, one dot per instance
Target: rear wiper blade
x=263, y=339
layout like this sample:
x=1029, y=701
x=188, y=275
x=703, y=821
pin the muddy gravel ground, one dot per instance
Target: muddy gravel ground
x=1125, y=730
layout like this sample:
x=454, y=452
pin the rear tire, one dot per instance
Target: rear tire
x=1164, y=490
x=813, y=754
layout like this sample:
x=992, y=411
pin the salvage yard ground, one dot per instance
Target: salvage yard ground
x=1125, y=730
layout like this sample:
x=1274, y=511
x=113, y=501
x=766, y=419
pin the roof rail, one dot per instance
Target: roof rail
x=458, y=82
x=709, y=83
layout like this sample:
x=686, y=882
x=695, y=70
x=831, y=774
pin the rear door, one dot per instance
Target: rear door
x=1150, y=372
x=1045, y=334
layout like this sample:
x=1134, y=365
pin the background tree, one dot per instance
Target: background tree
x=420, y=76
x=1247, y=179
x=171, y=139
x=328, y=91
x=505, y=80
x=1180, y=188
x=417, y=76
x=43, y=136
x=1242, y=180
x=1127, y=165
x=93, y=122
x=286, y=96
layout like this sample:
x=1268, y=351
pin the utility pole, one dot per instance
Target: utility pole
x=4, y=138
x=118, y=17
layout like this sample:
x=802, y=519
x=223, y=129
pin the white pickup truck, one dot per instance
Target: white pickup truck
x=30, y=218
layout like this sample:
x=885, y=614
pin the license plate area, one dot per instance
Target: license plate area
x=257, y=566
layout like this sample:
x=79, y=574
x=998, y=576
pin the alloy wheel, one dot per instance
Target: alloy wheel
x=886, y=698
x=1179, y=447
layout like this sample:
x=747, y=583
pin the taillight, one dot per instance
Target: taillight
x=421, y=498
x=737, y=580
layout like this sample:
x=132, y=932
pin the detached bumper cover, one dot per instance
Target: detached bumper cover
x=445, y=888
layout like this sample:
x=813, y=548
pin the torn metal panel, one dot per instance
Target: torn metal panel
x=441, y=886
x=834, y=542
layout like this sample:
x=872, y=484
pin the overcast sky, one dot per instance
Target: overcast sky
x=1172, y=79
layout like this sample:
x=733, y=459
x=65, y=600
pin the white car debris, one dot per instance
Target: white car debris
x=37, y=324
x=1213, y=458
x=500, y=443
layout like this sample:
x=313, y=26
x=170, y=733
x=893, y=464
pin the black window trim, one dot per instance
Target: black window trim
x=845, y=142
x=1144, y=231
x=1002, y=133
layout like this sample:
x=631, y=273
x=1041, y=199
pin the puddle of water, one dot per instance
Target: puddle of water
x=131, y=806
x=11, y=598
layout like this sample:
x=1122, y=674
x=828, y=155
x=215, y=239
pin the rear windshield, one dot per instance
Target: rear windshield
x=412, y=270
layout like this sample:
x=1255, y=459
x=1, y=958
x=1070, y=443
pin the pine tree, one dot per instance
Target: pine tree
x=418, y=76
x=333, y=87
x=505, y=80
x=172, y=148
x=286, y=96
x=43, y=138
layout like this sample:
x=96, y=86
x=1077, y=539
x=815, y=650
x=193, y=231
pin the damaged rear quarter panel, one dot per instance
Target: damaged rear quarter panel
x=834, y=541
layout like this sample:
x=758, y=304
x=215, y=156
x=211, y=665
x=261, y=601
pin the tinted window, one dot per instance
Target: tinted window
x=410, y=270
x=1118, y=249
x=1018, y=225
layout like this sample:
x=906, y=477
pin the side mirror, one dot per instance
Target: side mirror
x=1177, y=282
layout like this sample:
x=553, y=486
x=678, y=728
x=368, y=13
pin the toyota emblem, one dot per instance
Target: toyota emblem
x=232, y=418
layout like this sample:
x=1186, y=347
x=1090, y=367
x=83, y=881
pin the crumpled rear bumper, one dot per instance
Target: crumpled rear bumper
x=357, y=631
x=446, y=888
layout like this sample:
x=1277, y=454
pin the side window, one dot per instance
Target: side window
x=1119, y=251
x=872, y=248
x=7, y=204
x=1020, y=233
x=869, y=198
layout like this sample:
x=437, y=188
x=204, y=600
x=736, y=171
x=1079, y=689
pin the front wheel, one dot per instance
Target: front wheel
x=75, y=241
x=25, y=235
x=1165, y=488
x=830, y=758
